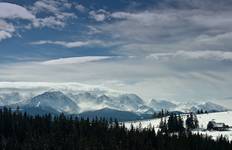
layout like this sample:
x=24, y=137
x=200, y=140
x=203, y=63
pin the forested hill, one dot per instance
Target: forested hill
x=20, y=131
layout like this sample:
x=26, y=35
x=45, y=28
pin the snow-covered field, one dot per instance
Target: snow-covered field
x=223, y=117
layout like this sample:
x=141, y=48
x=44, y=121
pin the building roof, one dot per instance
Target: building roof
x=217, y=125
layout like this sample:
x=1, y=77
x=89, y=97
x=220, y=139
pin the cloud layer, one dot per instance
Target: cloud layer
x=174, y=49
x=198, y=55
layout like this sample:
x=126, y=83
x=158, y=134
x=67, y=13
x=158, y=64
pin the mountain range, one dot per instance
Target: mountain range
x=87, y=101
x=83, y=100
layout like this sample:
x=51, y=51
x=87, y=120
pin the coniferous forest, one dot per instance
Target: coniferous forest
x=20, y=131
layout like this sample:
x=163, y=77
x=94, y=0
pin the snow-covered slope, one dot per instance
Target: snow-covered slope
x=222, y=117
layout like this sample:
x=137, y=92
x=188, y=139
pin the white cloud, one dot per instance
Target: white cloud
x=100, y=15
x=45, y=6
x=80, y=7
x=8, y=12
x=56, y=13
x=6, y=26
x=62, y=43
x=12, y=11
x=56, y=16
x=51, y=6
x=4, y=35
x=75, y=60
x=204, y=55
x=6, y=30
x=146, y=16
x=29, y=89
x=50, y=21
x=169, y=29
x=75, y=44
x=93, y=30
x=149, y=80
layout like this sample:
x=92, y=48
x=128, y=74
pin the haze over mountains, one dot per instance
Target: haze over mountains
x=74, y=98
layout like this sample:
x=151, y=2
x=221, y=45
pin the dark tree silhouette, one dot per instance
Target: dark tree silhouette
x=20, y=131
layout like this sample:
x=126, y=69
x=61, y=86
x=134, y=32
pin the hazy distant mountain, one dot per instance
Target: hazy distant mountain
x=130, y=102
x=112, y=113
x=90, y=101
x=208, y=106
x=73, y=102
x=163, y=104
x=39, y=110
x=124, y=102
x=186, y=106
x=55, y=100
x=10, y=98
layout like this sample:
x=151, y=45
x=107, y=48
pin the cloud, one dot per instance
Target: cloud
x=145, y=16
x=204, y=55
x=190, y=41
x=165, y=28
x=52, y=14
x=75, y=44
x=100, y=15
x=6, y=30
x=75, y=60
x=13, y=11
x=80, y=7
x=8, y=12
x=56, y=13
x=6, y=26
x=34, y=88
x=93, y=30
x=51, y=21
x=4, y=35
x=63, y=43
x=47, y=6
x=52, y=7
x=197, y=4
x=143, y=77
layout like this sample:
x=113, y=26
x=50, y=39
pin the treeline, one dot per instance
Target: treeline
x=20, y=131
x=164, y=113
x=175, y=124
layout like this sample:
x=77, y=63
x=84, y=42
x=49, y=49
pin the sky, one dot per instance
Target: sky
x=164, y=49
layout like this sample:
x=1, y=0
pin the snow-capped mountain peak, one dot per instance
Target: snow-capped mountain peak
x=208, y=106
x=162, y=104
x=56, y=100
